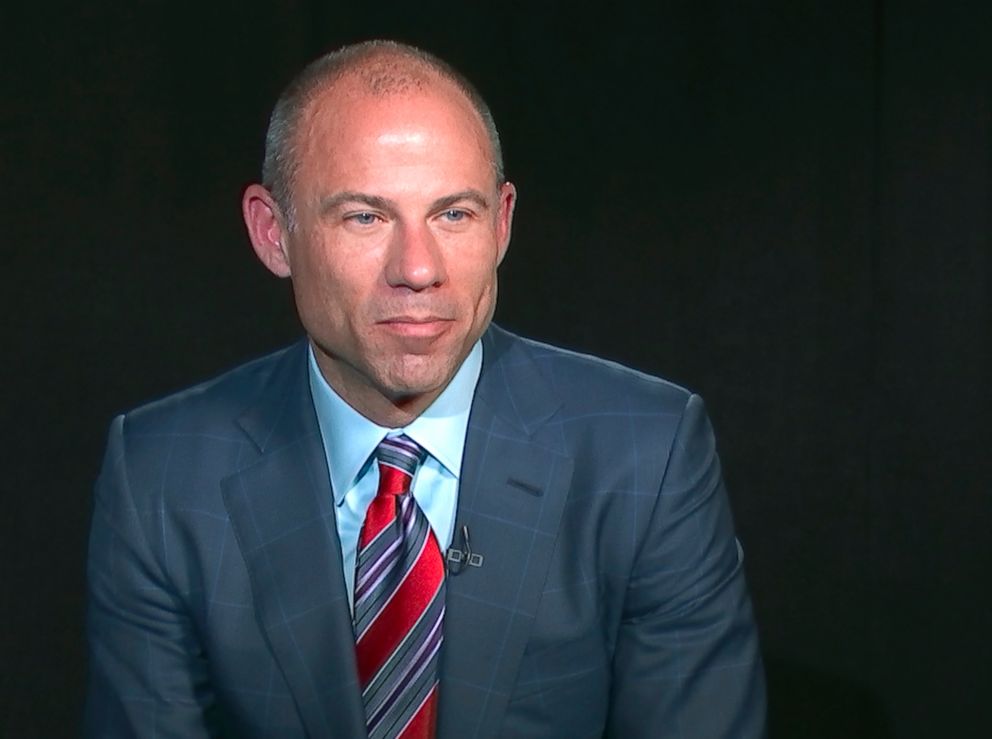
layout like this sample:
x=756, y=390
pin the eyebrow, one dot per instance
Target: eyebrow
x=331, y=202
x=472, y=195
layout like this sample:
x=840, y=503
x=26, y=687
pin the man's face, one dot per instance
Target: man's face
x=400, y=226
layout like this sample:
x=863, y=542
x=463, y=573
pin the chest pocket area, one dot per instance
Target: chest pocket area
x=563, y=683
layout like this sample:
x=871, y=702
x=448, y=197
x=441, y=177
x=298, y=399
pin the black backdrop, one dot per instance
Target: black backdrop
x=784, y=206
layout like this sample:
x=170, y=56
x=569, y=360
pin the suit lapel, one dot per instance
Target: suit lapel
x=283, y=517
x=515, y=479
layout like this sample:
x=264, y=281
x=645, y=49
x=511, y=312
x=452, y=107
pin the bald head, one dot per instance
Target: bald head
x=373, y=68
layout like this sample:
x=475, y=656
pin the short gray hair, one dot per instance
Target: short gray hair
x=383, y=67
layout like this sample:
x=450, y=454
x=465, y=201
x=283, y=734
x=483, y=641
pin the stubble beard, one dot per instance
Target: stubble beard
x=388, y=386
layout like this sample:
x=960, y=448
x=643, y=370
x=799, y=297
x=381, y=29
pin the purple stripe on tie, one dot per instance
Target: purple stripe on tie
x=392, y=594
x=406, y=513
x=374, y=569
x=398, y=690
x=409, y=649
x=413, y=671
x=420, y=658
x=400, y=452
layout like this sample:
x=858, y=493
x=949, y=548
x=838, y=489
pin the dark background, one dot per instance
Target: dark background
x=783, y=205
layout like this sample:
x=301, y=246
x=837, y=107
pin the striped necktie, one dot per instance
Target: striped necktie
x=399, y=602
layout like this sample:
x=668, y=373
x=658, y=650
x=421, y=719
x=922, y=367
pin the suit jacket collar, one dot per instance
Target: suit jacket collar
x=513, y=486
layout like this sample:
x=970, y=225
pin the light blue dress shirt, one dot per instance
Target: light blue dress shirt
x=350, y=438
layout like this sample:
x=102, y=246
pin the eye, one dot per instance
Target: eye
x=454, y=215
x=363, y=219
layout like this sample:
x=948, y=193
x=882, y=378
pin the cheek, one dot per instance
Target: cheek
x=480, y=282
x=321, y=299
x=471, y=264
x=331, y=279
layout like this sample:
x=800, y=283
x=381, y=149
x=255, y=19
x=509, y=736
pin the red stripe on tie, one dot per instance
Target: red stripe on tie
x=401, y=613
x=424, y=721
x=382, y=511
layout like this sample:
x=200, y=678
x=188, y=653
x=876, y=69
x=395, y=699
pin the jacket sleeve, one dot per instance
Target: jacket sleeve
x=147, y=670
x=686, y=662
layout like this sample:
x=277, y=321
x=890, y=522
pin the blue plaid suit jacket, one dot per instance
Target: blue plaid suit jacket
x=611, y=600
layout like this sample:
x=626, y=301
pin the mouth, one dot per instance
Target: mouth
x=416, y=326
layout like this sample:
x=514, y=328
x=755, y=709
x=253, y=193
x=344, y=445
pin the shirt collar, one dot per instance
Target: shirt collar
x=350, y=438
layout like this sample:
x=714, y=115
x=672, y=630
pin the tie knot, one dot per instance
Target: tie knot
x=398, y=458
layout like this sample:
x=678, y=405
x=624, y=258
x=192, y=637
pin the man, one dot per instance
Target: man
x=251, y=536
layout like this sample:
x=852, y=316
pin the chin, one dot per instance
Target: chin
x=419, y=375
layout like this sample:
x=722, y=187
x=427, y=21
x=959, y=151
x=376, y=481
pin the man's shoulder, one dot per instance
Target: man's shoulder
x=587, y=383
x=217, y=401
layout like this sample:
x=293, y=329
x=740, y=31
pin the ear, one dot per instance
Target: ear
x=266, y=229
x=504, y=218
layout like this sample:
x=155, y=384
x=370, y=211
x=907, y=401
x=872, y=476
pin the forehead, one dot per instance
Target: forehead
x=349, y=119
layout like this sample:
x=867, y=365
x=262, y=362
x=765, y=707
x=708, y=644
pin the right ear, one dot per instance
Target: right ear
x=266, y=229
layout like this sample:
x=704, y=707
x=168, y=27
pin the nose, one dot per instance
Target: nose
x=414, y=260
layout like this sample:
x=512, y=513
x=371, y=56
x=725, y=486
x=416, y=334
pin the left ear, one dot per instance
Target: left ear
x=504, y=218
x=265, y=229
